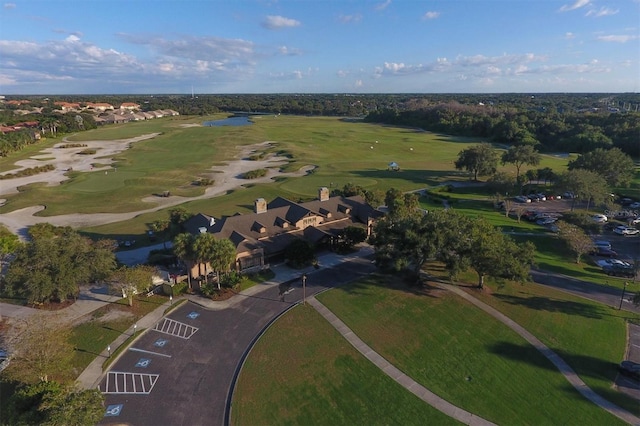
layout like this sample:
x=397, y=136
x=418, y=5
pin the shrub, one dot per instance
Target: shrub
x=180, y=288
x=29, y=172
x=89, y=151
x=254, y=174
x=73, y=145
x=231, y=280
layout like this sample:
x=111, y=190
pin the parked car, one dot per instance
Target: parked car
x=4, y=359
x=546, y=221
x=619, y=270
x=599, y=218
x=602, y=243
x=626, y=231
x=541, y=197
x=568, y=194
x=635, y=205
x=522, y=199
x=634, y=221
x=604, y=252
x=630, y=369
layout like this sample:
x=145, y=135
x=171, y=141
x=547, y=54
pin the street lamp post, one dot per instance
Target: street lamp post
x=171, y=300
x=622, y=297
x=109, y=350
x=135, y=326
x=304, y=289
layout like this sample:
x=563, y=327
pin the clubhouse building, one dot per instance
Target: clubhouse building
x=262, y=237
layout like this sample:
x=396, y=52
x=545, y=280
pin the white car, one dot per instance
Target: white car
x=599, y=218
x=625, y=230
x=616, y=262
x=634, y=221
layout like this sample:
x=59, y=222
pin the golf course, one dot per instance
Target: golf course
x=301, y=371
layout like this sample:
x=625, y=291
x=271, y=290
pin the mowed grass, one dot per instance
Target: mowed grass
x=302, y=372
x=467, y=357
x=344, y=152
x=589, y=336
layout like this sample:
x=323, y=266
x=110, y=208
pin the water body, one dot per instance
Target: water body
x=231, y=121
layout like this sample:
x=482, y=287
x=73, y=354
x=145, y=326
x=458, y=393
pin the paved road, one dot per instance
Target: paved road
x=194, y=374
x=604, y=294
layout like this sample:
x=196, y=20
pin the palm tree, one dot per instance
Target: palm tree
x=203, y=248
x=223, y=256
x=183, y=249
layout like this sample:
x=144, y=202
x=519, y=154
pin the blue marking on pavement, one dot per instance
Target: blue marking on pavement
x=143, y=362
x=193, y=315
x=113, y=410
x=160, y=343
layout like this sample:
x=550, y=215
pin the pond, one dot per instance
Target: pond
x=231, y=121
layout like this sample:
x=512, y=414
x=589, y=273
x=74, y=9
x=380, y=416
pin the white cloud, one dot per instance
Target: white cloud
x=617, y=38
x=383, y=5
x=431, y=15
x=604, y=11
x=358, y=83
x=289, y=51
x=576, y=5
x=9, y=6
x=569, y=35
x=274, y=22
x=347, y=19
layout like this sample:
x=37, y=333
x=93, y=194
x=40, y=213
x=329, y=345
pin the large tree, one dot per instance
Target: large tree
x=613, y=165
x=586, y=185
x=458, y=241
x=480, y=160
x=51, y=403
x=40, y=349
x=55, y=263
x=132, y=280
x=575, y=238
x=203, y=248
x=519, y=155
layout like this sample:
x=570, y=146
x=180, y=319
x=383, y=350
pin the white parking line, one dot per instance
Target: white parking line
x=169, y=326
x=149, y=352
x=129, y=383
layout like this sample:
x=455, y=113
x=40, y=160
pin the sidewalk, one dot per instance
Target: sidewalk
x=91, y=376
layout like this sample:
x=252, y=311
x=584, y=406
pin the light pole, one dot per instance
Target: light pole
x=109, y=350
x=304, y=285
x=622, y=297
x=135, y=326
x=171, y=300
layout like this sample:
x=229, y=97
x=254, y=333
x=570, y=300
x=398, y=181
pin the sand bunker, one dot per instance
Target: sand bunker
x=226, y=178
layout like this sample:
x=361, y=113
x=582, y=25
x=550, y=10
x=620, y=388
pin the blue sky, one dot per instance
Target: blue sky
x=313, y=46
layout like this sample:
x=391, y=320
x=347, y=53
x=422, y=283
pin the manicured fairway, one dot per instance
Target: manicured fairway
x=463, y=355
x=302, y=372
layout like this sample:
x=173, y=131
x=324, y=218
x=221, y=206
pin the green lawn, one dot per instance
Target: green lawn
x=302, y=372
x=472, y=360
x=589, y=336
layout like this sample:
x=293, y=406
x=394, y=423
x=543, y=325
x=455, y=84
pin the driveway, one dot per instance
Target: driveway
x=186, y=378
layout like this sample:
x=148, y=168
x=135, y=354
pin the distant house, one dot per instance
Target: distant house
x=99, y=106
x=129, y=106
x=262, y=237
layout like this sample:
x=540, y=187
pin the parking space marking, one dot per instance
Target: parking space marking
x=119, y=383
x=149, y=352
x=175, y=328
x=113, y=410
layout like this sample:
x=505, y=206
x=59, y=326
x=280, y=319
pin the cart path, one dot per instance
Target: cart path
x=390, y=370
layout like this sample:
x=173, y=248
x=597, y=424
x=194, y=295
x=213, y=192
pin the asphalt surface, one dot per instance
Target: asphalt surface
x=193, y=374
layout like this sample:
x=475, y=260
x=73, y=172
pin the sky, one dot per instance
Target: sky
x=318, y=46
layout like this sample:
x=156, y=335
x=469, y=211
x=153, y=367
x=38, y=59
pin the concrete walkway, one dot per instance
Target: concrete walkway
x=560, y=364
x=407, y=382
x=91, y=376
